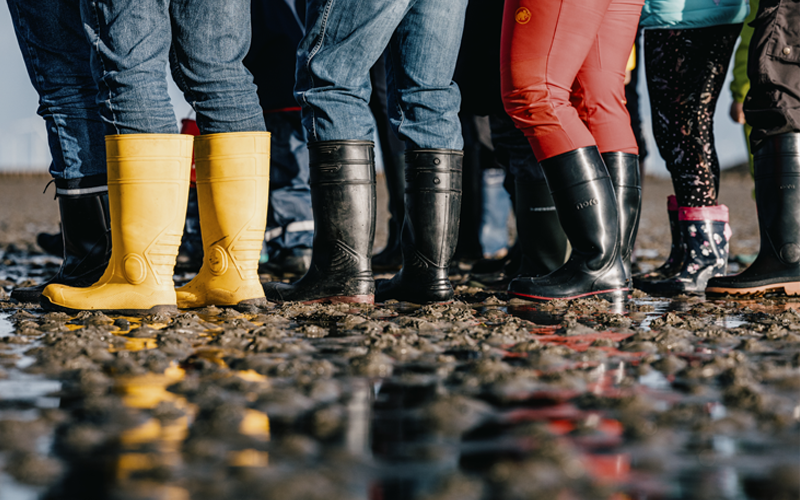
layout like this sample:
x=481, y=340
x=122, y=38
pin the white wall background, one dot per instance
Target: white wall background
x=23, y=143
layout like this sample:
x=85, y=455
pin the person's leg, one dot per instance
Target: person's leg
x=131, y=40
x=390, y=258
x=772, y=107
x=599, y=96
x=210, y=41
x=685, y=73
x=543, y=244
x=290, y=221
x=149, y=169
x=469, y=248
x=56, y=54
x=545, y=46
x=340, y=46
x=424, y=104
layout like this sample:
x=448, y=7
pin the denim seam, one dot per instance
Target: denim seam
x=180, y=76
x=313, y=52
x=96, y=45
x=394, y=93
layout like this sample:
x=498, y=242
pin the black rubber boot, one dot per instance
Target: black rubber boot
x=430, y=231
x=51, y=243
x=677, y=251
x=705, y=232
x=86, y=237
x=342, y=179
x=623, y=168
x=190, y=253
x=542, y=240
x=391, y=257
x=776, y=270
x=587, y=210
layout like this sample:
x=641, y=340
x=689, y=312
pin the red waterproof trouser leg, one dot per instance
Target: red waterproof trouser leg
x=562, y=68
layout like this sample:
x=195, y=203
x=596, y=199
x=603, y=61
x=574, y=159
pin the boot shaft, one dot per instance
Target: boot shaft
x=706, y=235
x=430, y=229
x=85, y=228
x=232, y=189
x=587, y=209
x=543, y=242
x=777, y=186
x=433, y=204
x=342, y=180
x=148, y=190
x=623, y=168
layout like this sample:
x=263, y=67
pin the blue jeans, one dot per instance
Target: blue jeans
x=344, y=40
x=56, y=54
x=290, y=221
x=203, y=41
x=496, y=207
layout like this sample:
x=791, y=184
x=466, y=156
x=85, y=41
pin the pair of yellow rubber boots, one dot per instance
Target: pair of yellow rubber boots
x=148, y=189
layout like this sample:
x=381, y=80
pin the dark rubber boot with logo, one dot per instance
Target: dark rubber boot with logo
x=86, y=237
x=677, y=252
x=430, y=230
x=623, y=168
x=342, y=179
x=776, y=270
x=544, y=245
x=587, y=209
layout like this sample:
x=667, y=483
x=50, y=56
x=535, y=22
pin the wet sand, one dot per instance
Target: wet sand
x=484, y=398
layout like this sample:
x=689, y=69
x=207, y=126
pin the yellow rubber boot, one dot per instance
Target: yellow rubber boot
x=232, y=188
x=148, y=189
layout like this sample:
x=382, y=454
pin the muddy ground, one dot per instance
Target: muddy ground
x=485, y=398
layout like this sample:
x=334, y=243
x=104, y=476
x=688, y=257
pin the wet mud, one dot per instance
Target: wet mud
x=485, y=398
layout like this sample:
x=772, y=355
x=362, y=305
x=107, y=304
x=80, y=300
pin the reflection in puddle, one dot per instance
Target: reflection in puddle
x=504, y=401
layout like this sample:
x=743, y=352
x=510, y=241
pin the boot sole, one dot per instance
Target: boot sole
x=791, y=289
x=613, y=294
x=162, y=309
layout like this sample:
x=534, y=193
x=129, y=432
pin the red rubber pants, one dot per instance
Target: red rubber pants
x=562, y=67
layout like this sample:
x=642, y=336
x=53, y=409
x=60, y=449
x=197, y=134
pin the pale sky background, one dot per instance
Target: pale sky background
x=23, y=144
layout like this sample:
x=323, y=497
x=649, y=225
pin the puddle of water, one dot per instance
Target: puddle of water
x=6, y=326
x=392, y=444
x=12, y=490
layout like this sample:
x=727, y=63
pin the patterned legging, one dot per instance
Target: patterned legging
x=685, y=73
